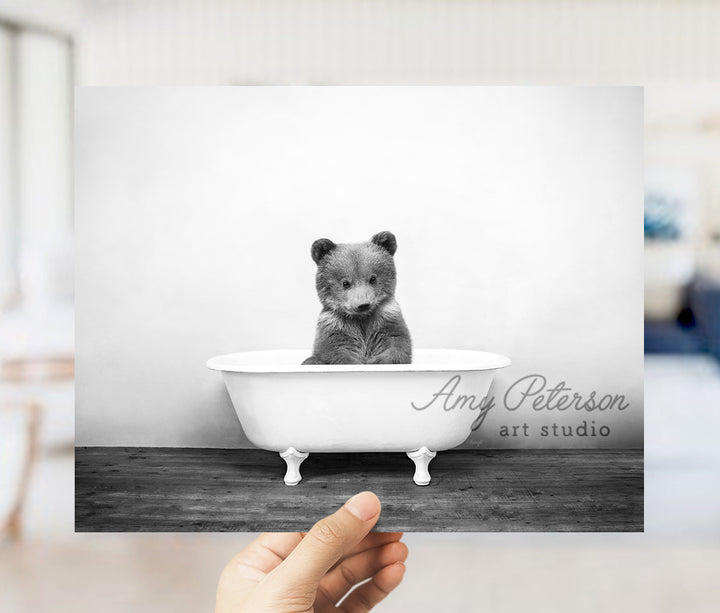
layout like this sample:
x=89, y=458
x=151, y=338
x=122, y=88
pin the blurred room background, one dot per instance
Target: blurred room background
x=47, y=47
x=682, y=305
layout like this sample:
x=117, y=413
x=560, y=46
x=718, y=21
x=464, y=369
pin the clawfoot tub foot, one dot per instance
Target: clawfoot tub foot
x=293, y=458
x=422, y=458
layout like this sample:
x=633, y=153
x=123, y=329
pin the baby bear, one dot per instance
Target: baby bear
x=360, y=322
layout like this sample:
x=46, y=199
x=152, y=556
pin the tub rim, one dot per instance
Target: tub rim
x=483, y=360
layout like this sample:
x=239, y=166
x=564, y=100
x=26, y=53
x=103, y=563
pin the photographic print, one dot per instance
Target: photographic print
x=286, y=295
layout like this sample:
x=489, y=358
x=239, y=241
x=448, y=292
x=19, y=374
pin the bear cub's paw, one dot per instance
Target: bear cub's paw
x=311, y=360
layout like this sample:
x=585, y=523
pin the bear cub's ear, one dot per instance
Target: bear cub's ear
x=320, y=248
x=386, y=240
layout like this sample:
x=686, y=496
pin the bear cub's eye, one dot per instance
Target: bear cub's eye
x=346, y=284
x=372, y=280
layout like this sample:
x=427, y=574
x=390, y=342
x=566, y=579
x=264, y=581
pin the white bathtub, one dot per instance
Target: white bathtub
x=295, y=410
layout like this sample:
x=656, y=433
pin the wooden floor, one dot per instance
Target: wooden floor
x=120, y=489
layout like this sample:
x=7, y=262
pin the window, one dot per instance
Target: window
x=36, y=75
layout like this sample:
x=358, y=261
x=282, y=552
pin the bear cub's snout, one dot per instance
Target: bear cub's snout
x=360, y=322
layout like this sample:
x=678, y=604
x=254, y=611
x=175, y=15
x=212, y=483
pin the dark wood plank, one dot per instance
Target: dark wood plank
x=120, y=489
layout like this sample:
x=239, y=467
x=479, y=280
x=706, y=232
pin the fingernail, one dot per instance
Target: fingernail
x=364, y=505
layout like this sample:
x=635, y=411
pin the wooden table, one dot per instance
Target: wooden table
x=121, y=489
x=23, y=372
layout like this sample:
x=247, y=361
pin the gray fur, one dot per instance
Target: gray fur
x=361, y=323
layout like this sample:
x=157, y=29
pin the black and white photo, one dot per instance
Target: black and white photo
x=286, y=295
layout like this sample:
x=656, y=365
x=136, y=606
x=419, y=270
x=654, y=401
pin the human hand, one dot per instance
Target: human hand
x=295, y=573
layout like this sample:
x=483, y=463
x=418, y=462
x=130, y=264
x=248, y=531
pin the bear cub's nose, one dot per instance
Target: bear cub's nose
x=363, y=307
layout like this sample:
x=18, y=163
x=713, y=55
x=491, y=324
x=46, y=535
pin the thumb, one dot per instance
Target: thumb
x=328, y=540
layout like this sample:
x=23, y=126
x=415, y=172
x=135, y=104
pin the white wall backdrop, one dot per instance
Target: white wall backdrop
x=518, y=214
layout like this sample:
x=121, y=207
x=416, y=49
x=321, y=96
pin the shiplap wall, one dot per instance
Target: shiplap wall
x=157, y=42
